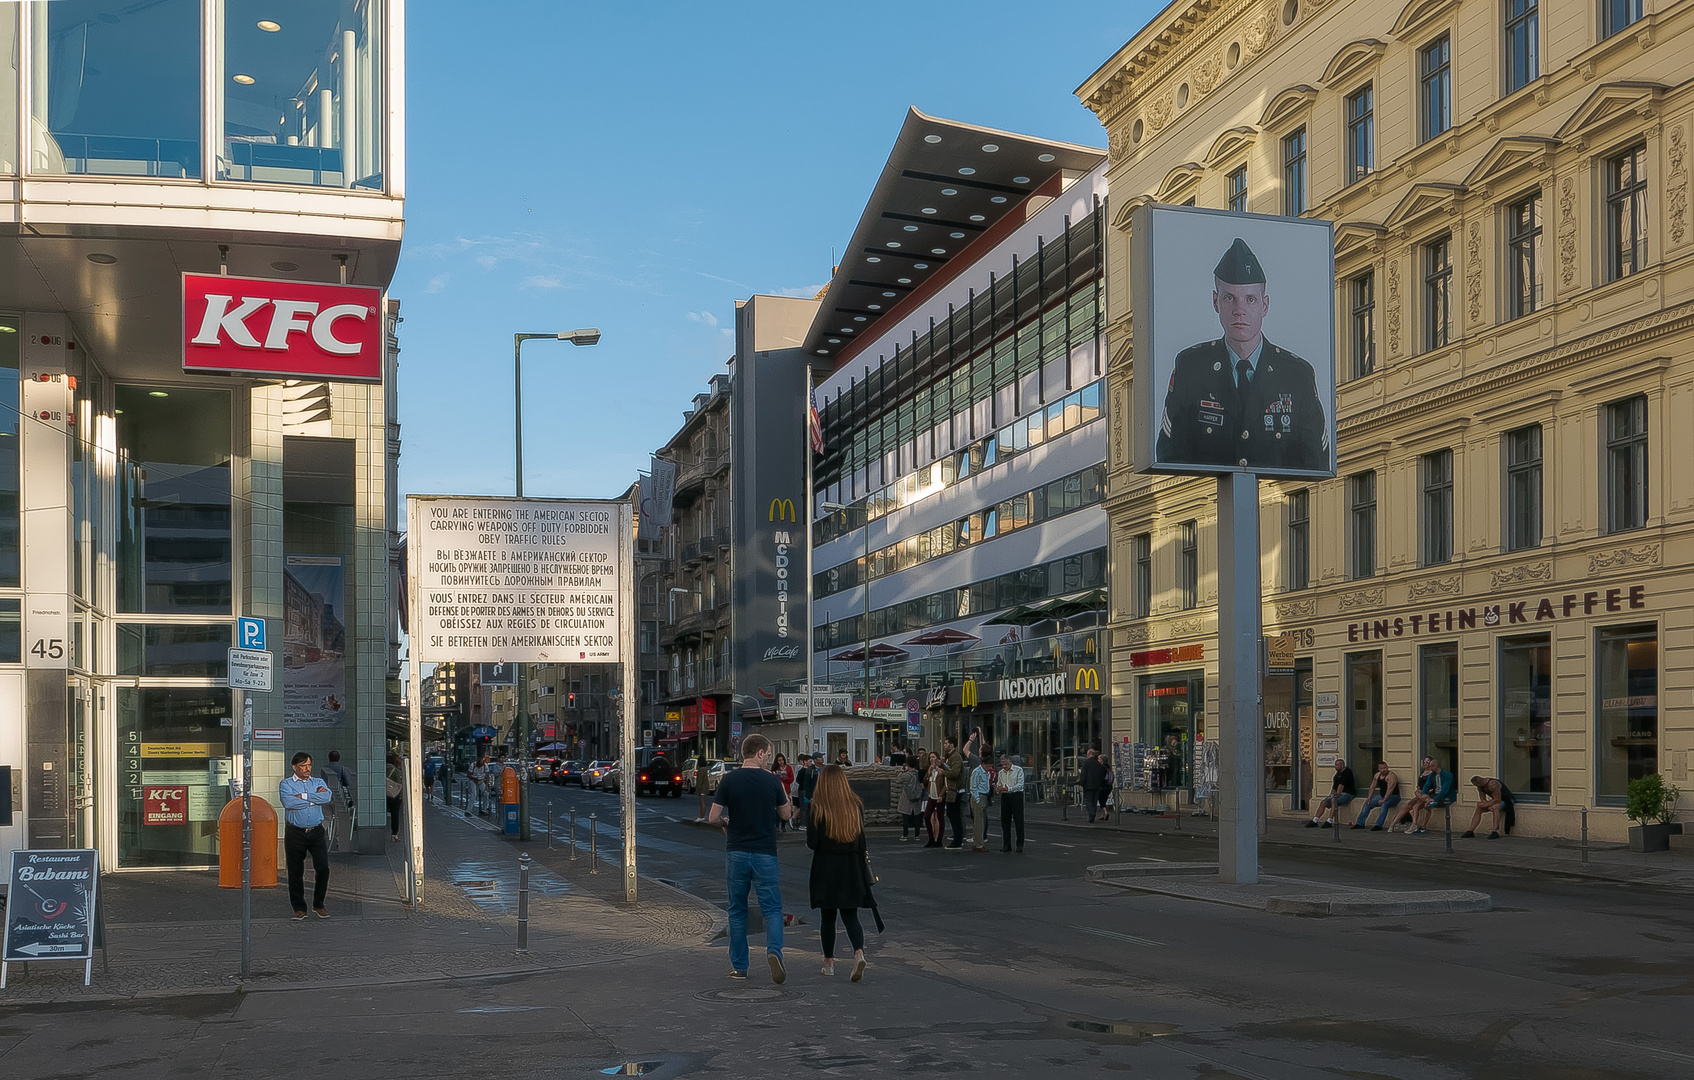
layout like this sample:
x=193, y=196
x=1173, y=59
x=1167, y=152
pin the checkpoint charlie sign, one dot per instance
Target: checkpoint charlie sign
x=515, y=580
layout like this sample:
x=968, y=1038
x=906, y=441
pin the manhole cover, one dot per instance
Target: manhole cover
x=746, y=994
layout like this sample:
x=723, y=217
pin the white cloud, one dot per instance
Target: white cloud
x=807, y=291
x=703, y=317
x=540, y=281
x=486, y=261
x=436, y=283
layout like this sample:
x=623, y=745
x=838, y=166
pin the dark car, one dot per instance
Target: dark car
x=659, y=777
x=568, y=772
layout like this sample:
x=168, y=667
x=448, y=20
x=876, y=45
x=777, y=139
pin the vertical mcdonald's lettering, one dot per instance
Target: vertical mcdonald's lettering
x=782, y=510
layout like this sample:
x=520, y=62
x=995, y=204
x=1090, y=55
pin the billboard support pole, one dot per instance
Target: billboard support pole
x=1240, y=749
x=627, y=699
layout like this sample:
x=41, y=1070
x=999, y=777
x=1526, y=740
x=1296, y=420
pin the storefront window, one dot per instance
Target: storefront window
x=173, y=473
x=172, y=737
x=1284, y=698
x=115, y=89
x=1526, y=715
x=1173, y=716
x=1364, y=711
x=1627, y=724
x=300, y=92
x=1438, y=696
x=10, y=536
x=8, y=88
x=11, y=632
x=174, y=649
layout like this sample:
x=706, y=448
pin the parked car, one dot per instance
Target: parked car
x=612, y=779
x=596, y=773
x=568, y=772
x=691, y=775
x=658, y=777
x=715, y=775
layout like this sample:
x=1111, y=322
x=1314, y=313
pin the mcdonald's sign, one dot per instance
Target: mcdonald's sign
x=967, y=694
x=1084, y=679
x=782, y=510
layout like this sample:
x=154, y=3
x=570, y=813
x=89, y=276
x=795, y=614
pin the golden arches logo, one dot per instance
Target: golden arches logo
x=783, y=510
x=967, y=694
x=1087, y=678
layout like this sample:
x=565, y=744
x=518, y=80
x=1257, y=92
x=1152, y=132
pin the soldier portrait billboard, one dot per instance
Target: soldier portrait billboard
x=1234, y=326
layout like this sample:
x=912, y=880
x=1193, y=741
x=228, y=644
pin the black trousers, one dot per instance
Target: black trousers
x=956, y=816
x=849, y=919
x=296, y=843
x=394, y=816
x=1094, y=799
x=1011, y=814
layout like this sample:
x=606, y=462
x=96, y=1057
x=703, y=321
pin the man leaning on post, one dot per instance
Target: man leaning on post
x=303, y=796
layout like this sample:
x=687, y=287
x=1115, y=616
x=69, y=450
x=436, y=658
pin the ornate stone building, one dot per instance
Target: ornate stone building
x=1498, y=575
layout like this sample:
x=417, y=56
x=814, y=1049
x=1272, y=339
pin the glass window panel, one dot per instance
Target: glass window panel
x=1627, y=716
x=1364, y=712
x=1526, y=715
x=9, y=88
x=174, y=649
x=11, y=632
x=174, y=552
x=1438, y=694
x=10, y=536
x=184, y=723
x=116, y=88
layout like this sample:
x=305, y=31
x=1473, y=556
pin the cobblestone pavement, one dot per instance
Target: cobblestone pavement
x=176, y=932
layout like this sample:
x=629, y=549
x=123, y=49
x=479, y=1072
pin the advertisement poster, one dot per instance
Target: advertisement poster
x=50, y=905
x=314, y=641
x=1234, y=315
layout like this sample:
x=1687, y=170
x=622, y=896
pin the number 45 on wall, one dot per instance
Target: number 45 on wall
x=48, y=648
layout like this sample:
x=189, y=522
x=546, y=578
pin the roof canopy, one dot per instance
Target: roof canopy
x=945, y=185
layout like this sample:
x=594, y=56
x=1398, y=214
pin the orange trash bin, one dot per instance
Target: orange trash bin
x=264, y=845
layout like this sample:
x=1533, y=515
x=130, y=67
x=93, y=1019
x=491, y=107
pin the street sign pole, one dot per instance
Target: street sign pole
x=628, y=699
x=246, y=833
x=1241, y=748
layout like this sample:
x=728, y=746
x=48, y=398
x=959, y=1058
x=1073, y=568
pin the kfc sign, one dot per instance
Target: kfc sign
x=164, y=806
x=289, y=329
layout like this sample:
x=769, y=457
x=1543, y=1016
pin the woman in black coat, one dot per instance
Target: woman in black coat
x=840, y=882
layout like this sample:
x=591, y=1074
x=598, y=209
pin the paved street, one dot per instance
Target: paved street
x=1016, y=961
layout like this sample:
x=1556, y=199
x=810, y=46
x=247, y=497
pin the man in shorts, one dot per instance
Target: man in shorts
x=1341, y=792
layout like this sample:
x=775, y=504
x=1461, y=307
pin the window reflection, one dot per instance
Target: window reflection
x=115, y=88
x=300, y=92
x=174, y=552
x=9, y=416
x=8, y=88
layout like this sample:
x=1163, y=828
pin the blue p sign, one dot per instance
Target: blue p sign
x=250, y=633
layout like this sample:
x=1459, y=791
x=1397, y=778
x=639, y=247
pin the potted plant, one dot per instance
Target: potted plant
x=1654, y=806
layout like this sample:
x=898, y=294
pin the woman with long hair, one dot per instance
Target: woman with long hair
x=784, y=773
x=840, y=881
x=935, y=787
x=393, y=787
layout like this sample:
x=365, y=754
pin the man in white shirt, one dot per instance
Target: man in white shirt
x=1009, y=783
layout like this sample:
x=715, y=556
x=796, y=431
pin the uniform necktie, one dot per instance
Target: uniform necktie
x=1243, y=374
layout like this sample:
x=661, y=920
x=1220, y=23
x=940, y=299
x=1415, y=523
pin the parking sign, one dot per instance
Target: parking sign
x=250, y=633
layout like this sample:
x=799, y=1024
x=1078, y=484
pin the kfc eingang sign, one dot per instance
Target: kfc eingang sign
x=288, y=329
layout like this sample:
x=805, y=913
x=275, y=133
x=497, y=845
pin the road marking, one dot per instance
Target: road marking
x=1131, y=938
x=1153, y=858
x=1099, y=851
x=506, y=1008
x=1057, y=844
x=1651, y=1050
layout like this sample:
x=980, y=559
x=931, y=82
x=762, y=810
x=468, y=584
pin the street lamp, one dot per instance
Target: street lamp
x=589, y=336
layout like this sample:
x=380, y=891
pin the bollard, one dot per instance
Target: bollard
x=549, y=824
x=1178, y=809
x=593, y=845
x=1585, y=834
x=523, y=902
x=1335, y=818
x=1448, y=812
x=573, y=834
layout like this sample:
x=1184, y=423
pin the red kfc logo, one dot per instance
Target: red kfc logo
x=284, y=328
x=164, y=806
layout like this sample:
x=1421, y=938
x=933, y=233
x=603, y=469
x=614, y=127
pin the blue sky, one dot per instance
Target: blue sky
x=641, y=166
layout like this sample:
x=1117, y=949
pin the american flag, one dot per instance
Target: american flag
x=814, y=425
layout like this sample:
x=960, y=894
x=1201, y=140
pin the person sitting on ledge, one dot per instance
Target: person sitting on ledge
x=1492, y=796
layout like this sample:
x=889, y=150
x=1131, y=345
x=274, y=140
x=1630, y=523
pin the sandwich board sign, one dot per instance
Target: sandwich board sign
x=50, y=901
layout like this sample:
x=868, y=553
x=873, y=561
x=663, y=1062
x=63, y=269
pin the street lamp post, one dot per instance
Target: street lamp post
x=587, y=336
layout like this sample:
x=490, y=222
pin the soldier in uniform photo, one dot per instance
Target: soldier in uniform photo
x=1241, y=400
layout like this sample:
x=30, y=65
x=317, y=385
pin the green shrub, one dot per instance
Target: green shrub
x=1651, y=801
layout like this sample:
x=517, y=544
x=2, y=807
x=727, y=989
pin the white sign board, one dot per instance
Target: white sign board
x=519, y=581
x=249, y=669
x=793, y=706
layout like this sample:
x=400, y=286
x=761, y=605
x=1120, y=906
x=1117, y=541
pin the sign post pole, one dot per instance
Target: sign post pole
x=628, y=699
x=246, y=834
x=1241, y=749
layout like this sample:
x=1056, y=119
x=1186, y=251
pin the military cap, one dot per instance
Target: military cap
x=1239, y=266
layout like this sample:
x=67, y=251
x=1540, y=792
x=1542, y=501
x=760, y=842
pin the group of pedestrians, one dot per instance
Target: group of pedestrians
x=935, y=787
x=1435, y=791
x=751, y=805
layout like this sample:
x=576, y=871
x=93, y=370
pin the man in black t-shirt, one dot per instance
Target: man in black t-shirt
x=1341, y=793
x=1096, y=784
x=749, y=804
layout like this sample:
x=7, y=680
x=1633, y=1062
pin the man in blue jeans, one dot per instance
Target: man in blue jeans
x=749, y=804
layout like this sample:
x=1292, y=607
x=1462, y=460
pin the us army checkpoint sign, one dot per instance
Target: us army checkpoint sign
x=518, y=581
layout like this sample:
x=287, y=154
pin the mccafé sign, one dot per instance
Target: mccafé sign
x=289, y=329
